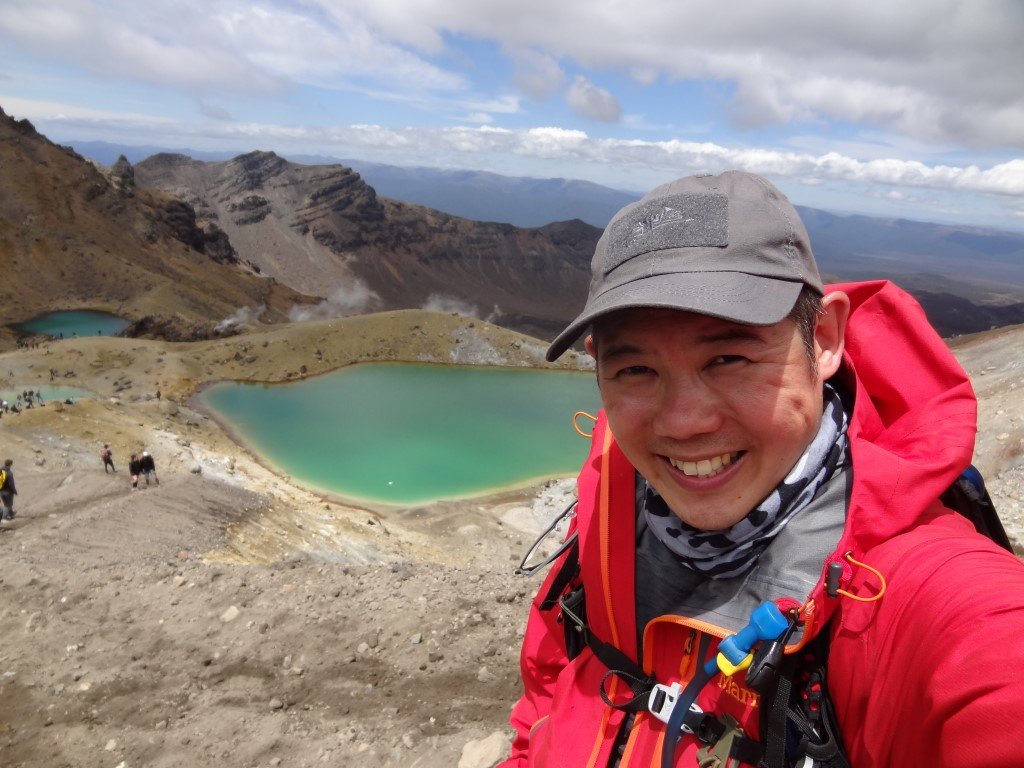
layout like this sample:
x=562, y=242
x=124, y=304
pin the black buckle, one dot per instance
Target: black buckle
x=764, y=667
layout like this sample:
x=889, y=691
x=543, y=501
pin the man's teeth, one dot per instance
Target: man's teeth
x=705, y=467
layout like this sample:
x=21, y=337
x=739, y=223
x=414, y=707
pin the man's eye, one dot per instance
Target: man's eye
x=726, y=360
x=633, y=370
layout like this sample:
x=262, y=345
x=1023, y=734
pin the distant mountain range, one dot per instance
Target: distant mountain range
x=337, y=229
x=483, y=196
x=477, y=195
x=105, y=153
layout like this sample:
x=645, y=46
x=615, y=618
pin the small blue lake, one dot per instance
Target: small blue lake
x=49, y=393
x=411, y=433
x=75, y=323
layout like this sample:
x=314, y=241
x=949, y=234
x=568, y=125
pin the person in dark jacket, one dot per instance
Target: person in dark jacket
x=148, y=467
x=8, y=491
x=135, y=469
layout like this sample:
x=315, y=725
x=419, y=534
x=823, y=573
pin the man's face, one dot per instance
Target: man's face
x=712, y=413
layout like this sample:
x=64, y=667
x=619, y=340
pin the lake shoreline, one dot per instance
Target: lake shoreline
x=486, y=383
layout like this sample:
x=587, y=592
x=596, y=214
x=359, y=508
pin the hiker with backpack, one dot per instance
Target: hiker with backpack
x=759, y=569
x=7, y=490
x=134, y=470
x=108, y=458
x=148, y=467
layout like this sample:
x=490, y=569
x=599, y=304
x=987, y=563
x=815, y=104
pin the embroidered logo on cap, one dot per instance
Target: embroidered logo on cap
x=665, y=216
x=696, y=220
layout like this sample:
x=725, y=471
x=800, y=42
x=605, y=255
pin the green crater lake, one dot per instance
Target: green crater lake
x=404, y=433
x=75, y=323
x=49, y=393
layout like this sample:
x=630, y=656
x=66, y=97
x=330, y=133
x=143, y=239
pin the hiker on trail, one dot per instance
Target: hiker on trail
x=108, y=458
x=148, y=467
x=7, y=490
x=770, y=453
x=134, y=470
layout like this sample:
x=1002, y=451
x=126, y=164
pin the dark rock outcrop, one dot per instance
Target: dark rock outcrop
x=177, y=328
x=122, y=174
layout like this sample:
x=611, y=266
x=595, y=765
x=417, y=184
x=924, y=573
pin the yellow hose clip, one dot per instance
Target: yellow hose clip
x=728, y=668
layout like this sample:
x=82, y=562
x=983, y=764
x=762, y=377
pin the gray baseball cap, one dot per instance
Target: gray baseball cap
x=730, y=246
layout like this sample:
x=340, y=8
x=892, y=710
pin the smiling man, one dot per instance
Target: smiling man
x=767, y=469
x=710, y=412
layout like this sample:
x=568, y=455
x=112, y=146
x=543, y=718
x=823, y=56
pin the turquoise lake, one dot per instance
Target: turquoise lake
x=411, y=433
x=75, y=323
x=49, y=392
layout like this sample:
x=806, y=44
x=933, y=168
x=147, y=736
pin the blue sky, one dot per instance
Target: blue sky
x=912, y=109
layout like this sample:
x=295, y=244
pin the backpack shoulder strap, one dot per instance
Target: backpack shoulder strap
x=969, y=496
x=797, y=715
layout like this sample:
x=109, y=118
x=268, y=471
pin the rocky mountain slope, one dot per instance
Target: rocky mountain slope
x=73, y=237
x=322, y=230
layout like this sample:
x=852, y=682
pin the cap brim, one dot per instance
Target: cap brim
x=735, y=296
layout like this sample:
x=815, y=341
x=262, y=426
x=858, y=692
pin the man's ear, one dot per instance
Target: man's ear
x=588, y=344
x=830, y=333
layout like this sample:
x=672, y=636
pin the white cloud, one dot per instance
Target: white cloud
x=213, y=112
x=221, y=44
x=84, y=116
x=307, y=49
x=537, y=74
x=592, y=102
x=506, y=105
x=938, y=69
x=548, y=143
x=153, y=44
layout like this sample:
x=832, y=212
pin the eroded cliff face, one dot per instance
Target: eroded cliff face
x=73, y=235
x=322, y=230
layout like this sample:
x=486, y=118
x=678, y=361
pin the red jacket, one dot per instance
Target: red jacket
x=931, y=674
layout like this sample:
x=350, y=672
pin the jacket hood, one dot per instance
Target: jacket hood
x=914, y=417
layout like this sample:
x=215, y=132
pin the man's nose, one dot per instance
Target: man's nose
x=687, y=409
